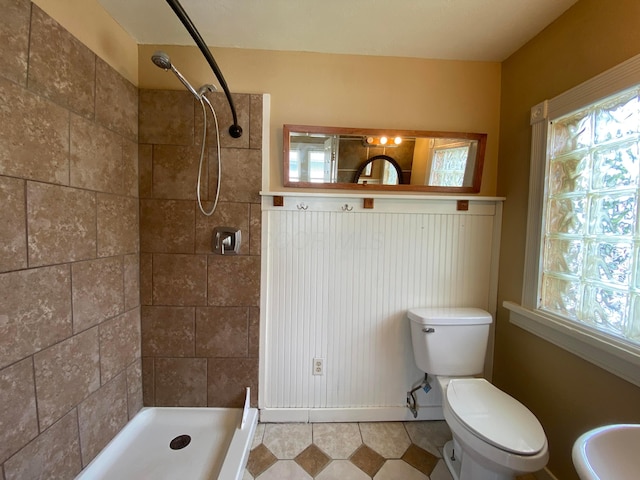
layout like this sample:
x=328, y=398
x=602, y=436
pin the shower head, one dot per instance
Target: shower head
x=161, y=60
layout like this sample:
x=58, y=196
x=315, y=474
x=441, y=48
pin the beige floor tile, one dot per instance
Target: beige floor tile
x=285, y=470
x=258, y=436
x=247, y=476
x=398, y=469
x=431, y=435
x=342, y=470
x=338, y=440
x=287, y=440
x=389, y=439
x=441, y=472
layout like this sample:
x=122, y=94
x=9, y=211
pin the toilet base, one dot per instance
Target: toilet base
x=451, y=460
x=463, y=467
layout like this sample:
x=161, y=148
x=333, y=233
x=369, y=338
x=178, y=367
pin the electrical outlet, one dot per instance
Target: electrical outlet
x=318, y=366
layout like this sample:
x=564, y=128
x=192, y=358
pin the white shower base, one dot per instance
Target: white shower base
x=218, y=448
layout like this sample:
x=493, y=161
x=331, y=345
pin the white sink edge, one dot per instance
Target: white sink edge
x=607, y=441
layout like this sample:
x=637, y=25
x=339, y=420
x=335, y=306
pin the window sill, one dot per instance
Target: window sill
x=616, y=356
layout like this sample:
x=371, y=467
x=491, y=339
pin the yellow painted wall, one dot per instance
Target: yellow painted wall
x=568, y=394
x=349, y=91
x=92, y=25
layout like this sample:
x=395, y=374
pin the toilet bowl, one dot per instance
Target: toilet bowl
x=495, y=437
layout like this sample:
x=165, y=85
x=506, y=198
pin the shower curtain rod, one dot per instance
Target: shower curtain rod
x=235, y=130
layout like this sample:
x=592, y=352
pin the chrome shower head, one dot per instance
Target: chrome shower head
x=161, y=60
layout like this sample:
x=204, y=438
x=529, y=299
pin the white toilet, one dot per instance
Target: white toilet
x=495, y=437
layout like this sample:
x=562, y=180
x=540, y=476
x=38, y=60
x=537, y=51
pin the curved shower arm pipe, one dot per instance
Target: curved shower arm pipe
x=235, y=130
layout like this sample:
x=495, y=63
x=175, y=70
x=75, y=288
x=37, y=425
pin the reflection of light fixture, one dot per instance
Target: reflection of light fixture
x=382, y=141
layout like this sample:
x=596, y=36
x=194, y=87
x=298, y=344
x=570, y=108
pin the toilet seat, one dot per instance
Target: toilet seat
x=494, y=416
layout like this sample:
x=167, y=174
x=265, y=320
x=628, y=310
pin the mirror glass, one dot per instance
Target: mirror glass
x=411, y=160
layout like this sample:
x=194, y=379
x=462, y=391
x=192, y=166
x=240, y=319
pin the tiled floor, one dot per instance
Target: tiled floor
x=349, y=451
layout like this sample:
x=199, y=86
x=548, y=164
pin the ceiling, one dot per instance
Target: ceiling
x=476, y=30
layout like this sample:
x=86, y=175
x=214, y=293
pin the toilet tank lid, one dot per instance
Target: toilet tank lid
x=449, y=316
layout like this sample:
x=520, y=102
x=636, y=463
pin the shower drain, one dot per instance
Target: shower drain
x=180, y=442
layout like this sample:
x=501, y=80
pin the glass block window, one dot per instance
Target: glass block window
x=591, y=233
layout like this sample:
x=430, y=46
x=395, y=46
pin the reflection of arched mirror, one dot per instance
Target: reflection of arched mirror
x=379, y=170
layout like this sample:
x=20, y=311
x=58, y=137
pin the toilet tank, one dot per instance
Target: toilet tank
x=449, y=341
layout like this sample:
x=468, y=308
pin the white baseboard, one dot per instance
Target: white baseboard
x=345, y=415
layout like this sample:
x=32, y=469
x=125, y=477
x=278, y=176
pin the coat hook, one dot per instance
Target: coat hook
x=347, y=208
x=302, y=206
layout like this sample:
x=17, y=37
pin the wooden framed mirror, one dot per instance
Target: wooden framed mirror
x=376, y=159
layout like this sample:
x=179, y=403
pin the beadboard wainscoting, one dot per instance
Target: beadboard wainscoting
x=337, y=280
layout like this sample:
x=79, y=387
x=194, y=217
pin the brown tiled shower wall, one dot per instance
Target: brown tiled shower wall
x=71, y=146
x=70, y=367
x=200, y=311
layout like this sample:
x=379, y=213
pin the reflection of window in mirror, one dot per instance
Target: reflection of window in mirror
x=390, y=175
x=294, y=165
x=448, y=166
x=312, y=159
x=318, y=169
x=309, y=165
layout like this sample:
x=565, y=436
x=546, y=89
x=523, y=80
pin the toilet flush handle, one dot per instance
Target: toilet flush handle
x=428, y=330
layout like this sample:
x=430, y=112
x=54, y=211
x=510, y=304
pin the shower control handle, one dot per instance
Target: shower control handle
x=226, y=240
